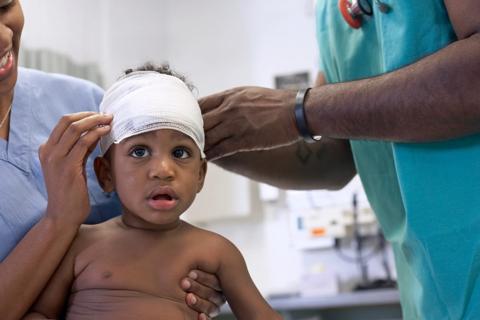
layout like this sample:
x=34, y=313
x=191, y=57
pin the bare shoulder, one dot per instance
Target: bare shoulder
x=89, y=233
x=209, y=240
x=201, y=233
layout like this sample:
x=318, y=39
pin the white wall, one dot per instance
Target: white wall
x=217, y=43
x=134, y=32
x=222, y=44
x=70, y=27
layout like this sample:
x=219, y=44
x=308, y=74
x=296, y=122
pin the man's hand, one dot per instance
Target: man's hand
x=203, y=293
x=63, y=157
x=246, y=119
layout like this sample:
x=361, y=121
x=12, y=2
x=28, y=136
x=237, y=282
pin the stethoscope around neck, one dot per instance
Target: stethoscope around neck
x=353, y=10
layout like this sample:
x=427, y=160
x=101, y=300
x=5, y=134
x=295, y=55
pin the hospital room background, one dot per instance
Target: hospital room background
x=314, y=255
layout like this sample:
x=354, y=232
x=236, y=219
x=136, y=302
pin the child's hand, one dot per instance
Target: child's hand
x=203, y=293
x=63, y=157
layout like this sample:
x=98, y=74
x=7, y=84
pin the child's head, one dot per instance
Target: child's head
x=153, y=156
x=150, y=98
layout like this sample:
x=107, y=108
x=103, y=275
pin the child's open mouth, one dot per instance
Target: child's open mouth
x=163, y=199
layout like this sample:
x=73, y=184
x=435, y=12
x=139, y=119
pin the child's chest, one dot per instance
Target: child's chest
x=146, y=265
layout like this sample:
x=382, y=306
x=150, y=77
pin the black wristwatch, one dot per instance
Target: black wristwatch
x=300, y=118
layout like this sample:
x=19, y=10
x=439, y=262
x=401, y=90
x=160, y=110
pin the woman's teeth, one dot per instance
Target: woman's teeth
x=4, y=59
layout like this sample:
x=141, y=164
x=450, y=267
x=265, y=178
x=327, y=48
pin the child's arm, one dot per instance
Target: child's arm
x=51, y=302
x=242, y=295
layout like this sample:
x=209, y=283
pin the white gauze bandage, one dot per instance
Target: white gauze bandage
x=143, y=101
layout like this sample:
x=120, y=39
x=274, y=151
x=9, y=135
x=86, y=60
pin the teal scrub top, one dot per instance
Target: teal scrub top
x=426, y=196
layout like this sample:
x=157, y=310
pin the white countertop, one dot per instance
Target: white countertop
x=374, y=297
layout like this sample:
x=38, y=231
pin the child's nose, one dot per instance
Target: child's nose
x=162, y=168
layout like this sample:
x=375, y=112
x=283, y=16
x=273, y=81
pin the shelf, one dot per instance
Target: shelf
x=367, y=298
x=342, y=300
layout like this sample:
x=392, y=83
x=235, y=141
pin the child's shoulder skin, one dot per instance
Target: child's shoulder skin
x=191, y=244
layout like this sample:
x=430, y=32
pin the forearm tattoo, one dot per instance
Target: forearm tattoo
x=303, y=152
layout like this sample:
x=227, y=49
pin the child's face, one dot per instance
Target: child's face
x=156, y=176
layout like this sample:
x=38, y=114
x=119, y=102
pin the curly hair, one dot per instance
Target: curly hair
x=164, y=68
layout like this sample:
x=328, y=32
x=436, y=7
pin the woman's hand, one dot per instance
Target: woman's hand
x=203, y=293
x=63, y=157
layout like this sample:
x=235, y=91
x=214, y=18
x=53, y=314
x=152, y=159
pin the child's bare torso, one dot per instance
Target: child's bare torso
x=107, y=304
x=123, y=273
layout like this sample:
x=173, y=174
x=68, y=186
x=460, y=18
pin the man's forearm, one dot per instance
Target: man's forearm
x=436, y=98
x=327, y=164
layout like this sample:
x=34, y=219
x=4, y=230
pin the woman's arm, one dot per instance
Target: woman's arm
x=242, y=295
x=34, y=316
x=24, y=273
x=51, y=302
x=27, y=269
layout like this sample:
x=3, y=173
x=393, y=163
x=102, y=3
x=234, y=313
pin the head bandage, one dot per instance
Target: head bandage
x=144, y=101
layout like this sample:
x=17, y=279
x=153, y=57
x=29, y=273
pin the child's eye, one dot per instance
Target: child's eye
x=139, y=152
x=181, y=153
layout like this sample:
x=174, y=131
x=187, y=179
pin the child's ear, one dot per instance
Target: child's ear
x=201, y=175
x=104, y=173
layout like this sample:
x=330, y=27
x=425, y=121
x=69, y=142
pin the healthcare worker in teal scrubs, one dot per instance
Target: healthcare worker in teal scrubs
x=398, y=102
